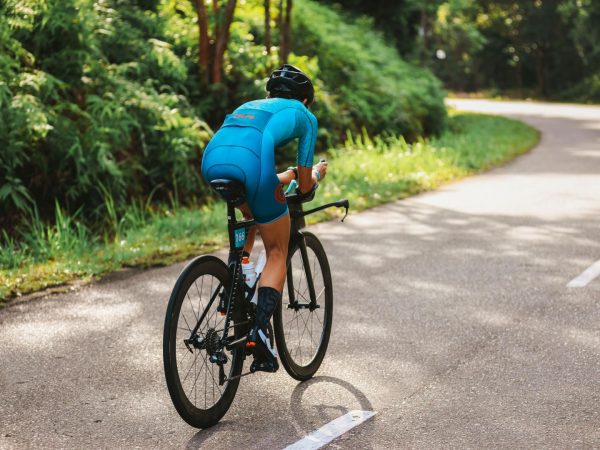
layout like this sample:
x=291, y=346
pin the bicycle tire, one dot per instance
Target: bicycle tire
x=207, y=269
x=289, y=344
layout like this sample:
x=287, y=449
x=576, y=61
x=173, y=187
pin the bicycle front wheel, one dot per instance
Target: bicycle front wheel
x=303, y=319
x=198, y=370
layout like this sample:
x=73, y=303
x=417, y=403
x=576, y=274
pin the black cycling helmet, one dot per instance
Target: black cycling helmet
x=290, y=82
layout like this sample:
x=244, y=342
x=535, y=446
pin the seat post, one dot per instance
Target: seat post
x=231, y=213
x=231, y=228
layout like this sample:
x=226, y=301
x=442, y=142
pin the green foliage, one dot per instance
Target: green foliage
x=363, y=80
x=102, y=99
x=104, y=114
x=398, y=19
x=50, y=255
x=368, y=171
x=371, y=171
x=92, y=94
x=541, y=46
x=546, y=48
x=455, y=40
x=586, y=91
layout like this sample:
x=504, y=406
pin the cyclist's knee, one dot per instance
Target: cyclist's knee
x=276, y=251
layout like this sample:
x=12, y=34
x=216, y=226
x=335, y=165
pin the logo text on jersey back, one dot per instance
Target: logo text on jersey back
x=243, y=116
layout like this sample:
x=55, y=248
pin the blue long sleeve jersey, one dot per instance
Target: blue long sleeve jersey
x=280, y=121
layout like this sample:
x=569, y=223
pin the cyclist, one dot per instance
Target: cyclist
x=243, y=149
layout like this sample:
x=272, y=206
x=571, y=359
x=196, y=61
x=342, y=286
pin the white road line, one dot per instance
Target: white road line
x=332, y=430
x=586, y=276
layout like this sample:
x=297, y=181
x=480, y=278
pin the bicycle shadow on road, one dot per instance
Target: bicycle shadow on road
x=198, y=439
x=322, y=399
x=313, y=404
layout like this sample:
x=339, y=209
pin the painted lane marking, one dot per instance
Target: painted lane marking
x=586, y=276
x=332, y=430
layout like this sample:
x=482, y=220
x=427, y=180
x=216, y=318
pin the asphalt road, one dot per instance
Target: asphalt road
x=452, y=321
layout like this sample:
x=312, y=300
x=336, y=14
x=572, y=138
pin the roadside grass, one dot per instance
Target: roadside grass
x=370, y=172
x=367, y=171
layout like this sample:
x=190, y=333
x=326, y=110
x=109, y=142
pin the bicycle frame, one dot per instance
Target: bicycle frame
x=238, y=231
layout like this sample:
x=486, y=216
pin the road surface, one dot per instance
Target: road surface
x=453, y=322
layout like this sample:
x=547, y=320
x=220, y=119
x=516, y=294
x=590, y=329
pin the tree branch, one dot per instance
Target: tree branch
x=203, y=39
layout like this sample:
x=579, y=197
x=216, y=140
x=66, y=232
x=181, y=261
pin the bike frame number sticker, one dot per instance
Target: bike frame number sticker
x=240, y=237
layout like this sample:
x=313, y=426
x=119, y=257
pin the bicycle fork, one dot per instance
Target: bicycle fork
x=294, y=303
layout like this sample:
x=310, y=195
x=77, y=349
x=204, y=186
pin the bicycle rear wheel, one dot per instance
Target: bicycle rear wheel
x=196, y=384
x=301, y=332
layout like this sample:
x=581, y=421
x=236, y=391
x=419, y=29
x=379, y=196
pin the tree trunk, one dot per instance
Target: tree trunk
x=203, y=40
x=222, y=39
x=424, y=42
x=285, y=32
x=540, y=69
x=217, y=15
x=280, y=15
x=268, y=30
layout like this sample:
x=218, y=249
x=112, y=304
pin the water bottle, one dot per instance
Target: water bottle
x=249, y=272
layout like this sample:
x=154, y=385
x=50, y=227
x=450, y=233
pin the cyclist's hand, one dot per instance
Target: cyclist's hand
x=321, y=168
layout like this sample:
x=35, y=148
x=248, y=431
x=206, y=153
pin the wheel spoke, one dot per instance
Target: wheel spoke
x=301, y=294
x=186, y=322
x=214, y=381
x=200, y=302
x=196, y=354
x=194, y=368
x=320, y=293
x=187, y=294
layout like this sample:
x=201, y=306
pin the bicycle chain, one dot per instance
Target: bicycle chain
x=234, y=293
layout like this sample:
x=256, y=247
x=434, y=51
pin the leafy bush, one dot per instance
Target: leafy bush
x=586, y=91
x=102, y=103
x=368, y=171
x=92, y=100
x=362, y=81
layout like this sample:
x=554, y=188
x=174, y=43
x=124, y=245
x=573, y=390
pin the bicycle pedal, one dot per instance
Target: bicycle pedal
x=264, y=366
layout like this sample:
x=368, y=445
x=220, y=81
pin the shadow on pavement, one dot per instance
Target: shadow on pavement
x=313, y=404
x=330, y=406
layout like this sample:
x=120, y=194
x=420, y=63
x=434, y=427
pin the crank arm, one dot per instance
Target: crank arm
x=237, y=342
x=302, y=306
x=238, y=376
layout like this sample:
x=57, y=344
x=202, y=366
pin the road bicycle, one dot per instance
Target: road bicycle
x=210, y=313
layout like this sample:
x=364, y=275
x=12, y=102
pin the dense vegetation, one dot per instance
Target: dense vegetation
x=366, y=84
x=106, y=105
x=103, y=103
x=368, y=171
x=546, y=48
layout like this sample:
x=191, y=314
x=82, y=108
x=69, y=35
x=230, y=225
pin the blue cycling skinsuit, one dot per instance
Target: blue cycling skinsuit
x=243, y=149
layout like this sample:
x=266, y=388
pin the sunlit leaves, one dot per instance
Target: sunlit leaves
x=100, y=101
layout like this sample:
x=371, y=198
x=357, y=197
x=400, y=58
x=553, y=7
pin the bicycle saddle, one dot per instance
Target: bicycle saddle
x=232, y=191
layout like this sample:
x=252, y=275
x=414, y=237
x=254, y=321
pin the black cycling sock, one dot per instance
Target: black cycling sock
x=268, y=299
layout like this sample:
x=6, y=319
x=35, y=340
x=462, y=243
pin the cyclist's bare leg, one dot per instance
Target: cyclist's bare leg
x=275, y=236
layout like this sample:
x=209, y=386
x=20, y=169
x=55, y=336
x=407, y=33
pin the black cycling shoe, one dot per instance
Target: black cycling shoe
x=265, y=358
